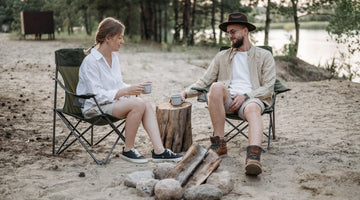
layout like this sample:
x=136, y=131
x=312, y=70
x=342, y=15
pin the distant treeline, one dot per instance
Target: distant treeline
x=164, y=21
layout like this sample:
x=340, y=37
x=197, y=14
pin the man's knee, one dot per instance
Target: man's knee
x=217, y=90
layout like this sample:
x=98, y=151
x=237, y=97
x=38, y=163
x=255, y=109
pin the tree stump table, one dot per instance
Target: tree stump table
x=175, y=126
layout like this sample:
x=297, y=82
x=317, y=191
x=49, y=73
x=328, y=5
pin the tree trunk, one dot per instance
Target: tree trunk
x=142, y=21
x=221, y=20
x=213, y=20
x=70, y=28
x=86, y=22
x=160, y=23
x=128, y=20
x=175, y=126
x=193, y=13
x=100, y=15
x=165, y=22
x=149, y=20
x=267, y=23
x=177, y=25
x=154, y=22
x=297, y=25
x=186, y=21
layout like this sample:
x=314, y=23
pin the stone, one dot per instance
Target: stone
x=162, y=169
x=145, y=187
x=132, y=179
x=204, y=191
x=222, y=180
x=167, y=189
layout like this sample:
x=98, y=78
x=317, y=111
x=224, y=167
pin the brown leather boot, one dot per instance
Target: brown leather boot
x=218, y=145
x=253, y=165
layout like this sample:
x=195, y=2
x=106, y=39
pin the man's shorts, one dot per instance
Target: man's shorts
x=94, y=111
x=240, y=111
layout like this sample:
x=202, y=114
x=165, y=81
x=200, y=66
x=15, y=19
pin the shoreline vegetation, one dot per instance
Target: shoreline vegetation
x=79, y=32
x=316, y=25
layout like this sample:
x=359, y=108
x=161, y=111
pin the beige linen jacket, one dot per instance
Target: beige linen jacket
x=261, y=67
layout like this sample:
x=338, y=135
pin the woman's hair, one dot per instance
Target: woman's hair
x=108, y=27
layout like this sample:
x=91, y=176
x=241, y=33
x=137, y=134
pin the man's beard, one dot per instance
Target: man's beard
x=238, y=43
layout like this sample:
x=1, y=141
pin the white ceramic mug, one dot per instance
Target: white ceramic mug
x=147, y=88
x=176, y=99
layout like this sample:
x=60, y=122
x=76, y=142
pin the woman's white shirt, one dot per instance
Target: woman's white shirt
x=97, y=77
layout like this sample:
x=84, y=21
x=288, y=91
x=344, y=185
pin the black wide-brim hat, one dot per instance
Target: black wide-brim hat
x=237, y=18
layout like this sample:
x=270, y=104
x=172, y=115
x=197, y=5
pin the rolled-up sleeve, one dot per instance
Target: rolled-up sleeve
x=208, y=78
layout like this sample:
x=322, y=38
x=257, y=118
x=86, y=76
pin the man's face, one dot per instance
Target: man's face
x=236, y=35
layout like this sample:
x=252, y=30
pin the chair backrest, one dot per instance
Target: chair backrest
x=68, y=62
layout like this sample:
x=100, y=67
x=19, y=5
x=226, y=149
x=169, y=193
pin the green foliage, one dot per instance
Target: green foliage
x=344, y=24
x=340, y=66
x=289, y=50
x=6, y=13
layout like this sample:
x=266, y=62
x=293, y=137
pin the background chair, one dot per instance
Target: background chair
x=238, y=125
x=68, y=62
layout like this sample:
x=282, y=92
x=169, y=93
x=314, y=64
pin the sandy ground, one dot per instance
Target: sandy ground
x=315, y=155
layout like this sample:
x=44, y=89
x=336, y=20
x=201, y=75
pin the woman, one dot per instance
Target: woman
x=100, y=74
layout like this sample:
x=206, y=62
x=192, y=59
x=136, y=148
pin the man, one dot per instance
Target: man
x=242, y=81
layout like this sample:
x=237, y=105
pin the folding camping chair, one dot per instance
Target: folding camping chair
x=68, y=62
x=241, y=125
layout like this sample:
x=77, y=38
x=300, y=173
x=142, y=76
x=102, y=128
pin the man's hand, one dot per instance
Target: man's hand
x=238, y=100
x=183, y=94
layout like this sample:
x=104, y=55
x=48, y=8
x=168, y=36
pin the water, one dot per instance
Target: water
x=315, y=46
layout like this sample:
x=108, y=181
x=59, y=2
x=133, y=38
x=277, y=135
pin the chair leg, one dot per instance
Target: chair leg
x=112, y=132
x=53, y=139
x=81, y=142
x=92, y=136
x=120, y=135
x=237, y=129
x=65, y=120
x=113, y=147
x=273, y=123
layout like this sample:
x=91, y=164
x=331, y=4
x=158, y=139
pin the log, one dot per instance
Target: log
x=203, y=171
x=184, y=169
x=175, y=126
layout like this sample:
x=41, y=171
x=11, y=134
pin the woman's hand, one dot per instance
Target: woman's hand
x=135, y=89
x=131, y=90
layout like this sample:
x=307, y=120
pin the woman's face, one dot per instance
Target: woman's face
x=116, y=41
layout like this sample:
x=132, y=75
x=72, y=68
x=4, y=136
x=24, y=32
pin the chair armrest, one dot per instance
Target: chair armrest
x=202, y=97
x=86, y=96
x=200, y=89
x=83, y=96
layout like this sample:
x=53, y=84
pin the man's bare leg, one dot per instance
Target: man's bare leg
x=252, y=114
x=217, y=98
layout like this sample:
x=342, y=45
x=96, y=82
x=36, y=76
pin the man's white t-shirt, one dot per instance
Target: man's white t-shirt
x=240, y=80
